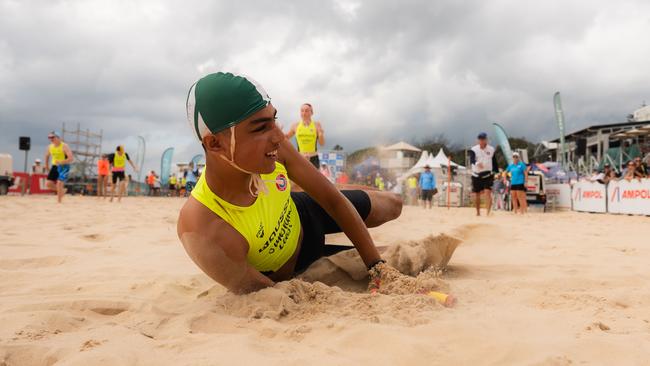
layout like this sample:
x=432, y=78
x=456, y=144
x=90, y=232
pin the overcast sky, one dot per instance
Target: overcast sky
x=375, y=71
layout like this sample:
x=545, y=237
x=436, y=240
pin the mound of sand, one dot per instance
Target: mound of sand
x=347, y=271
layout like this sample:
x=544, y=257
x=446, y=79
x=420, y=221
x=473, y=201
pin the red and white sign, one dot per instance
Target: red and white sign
x=39, y=184
x=560, y=194
x=631, y=197
x=20, y=179
x=589, y=197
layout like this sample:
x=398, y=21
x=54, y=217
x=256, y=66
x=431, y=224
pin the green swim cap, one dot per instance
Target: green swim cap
x=221, y=100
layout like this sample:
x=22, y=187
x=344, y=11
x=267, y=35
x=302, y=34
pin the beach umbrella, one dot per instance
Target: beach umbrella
x=620, y=135
x=635, y=132
x=645, y=128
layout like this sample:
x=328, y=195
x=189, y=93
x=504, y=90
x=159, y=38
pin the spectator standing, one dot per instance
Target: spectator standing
x=427, y=186
x=412, y=186
x=641, y=168
x=518, y=177
x=38, y=168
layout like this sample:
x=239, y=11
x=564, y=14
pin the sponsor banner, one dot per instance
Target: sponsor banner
x=589, y=197
x=631, y=197
x=20, y=179
x=560, y=193
x=38, y=184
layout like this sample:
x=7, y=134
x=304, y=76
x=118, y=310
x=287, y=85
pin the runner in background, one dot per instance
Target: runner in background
x=172, y=185
x=308, y=133
x=118, y=160
x=412, y=186
x=484, y=165
x=61, y=158
x=102, y=175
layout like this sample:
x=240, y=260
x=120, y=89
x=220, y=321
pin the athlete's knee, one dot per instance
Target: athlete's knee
x=384, y=207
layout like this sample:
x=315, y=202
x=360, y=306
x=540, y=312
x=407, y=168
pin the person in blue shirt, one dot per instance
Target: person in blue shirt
x=427, y=185
x=518, y=177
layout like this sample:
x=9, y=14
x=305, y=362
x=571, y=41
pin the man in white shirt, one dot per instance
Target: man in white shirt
x=484, y=165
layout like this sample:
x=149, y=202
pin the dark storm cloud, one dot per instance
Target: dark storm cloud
x=376, y=71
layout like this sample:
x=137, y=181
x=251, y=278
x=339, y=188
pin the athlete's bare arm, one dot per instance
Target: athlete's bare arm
x=68, y=153
x=218, y=249
x=47, y=159
x=330, y=199
x=292, y=131
x=320, y=133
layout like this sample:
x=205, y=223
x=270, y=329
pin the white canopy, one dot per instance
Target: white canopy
x=428, y=159
x=402, y=146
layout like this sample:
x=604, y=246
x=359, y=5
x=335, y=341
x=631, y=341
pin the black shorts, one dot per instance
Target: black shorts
x=53, y=175
x=172, y=187
x=316, y=223
x=315, y=161
x=518, y=187
x=118, y=175
x=426, y=195
x=482, y=182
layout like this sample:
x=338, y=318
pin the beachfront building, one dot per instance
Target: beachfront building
x=398, y=158
x=590, y=148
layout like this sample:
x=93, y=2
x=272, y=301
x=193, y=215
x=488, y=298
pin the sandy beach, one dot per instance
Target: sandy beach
x=94, y=283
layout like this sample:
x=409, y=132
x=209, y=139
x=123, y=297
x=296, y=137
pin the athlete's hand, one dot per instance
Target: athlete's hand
x=385, y=279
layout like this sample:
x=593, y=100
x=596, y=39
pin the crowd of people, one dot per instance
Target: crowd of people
x=634, y=169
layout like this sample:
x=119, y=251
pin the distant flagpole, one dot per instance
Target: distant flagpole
x=502, y=140
x=559, y=116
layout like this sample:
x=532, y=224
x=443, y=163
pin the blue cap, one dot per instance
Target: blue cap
x=482, y=135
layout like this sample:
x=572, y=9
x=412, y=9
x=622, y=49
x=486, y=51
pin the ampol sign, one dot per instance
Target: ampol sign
x=631, y=197
x=589, y=197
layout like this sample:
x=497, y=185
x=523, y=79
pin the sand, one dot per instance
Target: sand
x=93, y=283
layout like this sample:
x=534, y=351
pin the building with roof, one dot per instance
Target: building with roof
x=398, y=158
x=612, y=143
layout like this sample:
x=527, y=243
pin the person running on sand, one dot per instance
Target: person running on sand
x=118, y=160
x=484, y=165
x=518, y=177
x=242, y=225
x=102, y=175
x=308, y=133
x=61, y=158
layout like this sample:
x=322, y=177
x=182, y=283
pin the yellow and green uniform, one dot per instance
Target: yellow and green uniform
x=270, y=225
x=412, y=183
x=172, y=180
x=57, y=153
x=119, y=162
x=306, y=137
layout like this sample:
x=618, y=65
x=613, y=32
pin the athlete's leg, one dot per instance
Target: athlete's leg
x=384, y=207
x=524, y=204
x=488, y=197
x=59, y=191
x=122, y=184
x=113, y=188
x=515, y=201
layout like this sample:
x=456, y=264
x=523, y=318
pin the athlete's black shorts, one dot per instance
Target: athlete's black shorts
x=484, y=181
x=316, y=223
x=315, y=161
x=53, y=175
x=518, y=187
x=118, y=175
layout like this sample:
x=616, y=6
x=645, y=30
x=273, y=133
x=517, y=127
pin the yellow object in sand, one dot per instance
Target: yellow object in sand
x=444, y=299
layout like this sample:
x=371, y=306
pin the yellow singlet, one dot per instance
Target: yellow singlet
x=306, y=137
x=57, y=153
x=412, y=182
x=172, y=180
x=119, y=162
x=270, y=225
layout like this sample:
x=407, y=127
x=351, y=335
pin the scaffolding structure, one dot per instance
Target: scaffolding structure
x=86, y=147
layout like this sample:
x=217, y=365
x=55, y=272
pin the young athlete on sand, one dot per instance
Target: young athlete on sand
x=61, y=158
x=118, y=161
x=242, y=224
x=308, y=133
